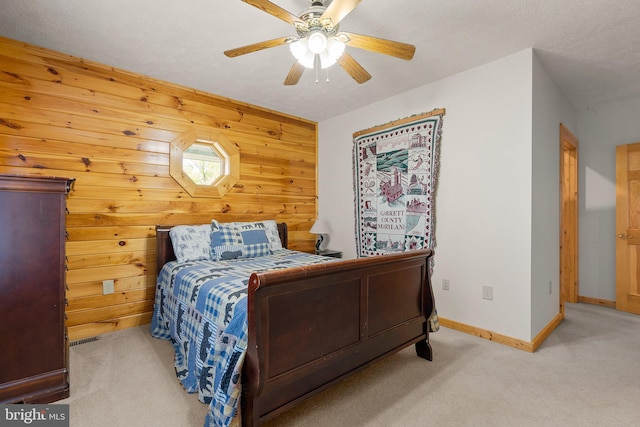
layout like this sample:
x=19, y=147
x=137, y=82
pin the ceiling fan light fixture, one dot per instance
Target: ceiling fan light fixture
x=335, y=48
x=326, y=60
x=317, y=42
x=299, y=48
x=330, y=56
x=302, y=50
x=308, y=60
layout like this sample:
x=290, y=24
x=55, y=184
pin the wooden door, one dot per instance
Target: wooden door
x=568, y=217
x=628, y=228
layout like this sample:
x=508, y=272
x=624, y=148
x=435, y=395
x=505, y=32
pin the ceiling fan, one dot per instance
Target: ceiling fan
x=318, y=43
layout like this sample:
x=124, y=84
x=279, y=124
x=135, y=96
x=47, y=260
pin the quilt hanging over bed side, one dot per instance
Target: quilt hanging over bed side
x=201, y=307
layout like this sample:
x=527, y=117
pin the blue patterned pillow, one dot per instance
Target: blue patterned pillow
x=269, y=226
x=224, y=234
x=253, y=250
x=225, y=252
x=191, y=242
x=238, y=240
x=224, y=239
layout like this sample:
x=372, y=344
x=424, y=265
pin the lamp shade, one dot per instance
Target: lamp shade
x=320, y=227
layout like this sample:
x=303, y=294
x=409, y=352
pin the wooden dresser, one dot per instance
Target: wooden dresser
x=33, y=341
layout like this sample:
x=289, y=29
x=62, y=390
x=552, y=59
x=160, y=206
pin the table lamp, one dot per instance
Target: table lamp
x=322, y=229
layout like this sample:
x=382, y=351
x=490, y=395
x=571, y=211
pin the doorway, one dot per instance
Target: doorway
x=628, y=228
x=568, y=218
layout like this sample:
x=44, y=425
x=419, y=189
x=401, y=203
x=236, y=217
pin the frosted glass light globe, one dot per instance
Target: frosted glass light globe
x=335, y=48
x=317, y=42
x=299, y=48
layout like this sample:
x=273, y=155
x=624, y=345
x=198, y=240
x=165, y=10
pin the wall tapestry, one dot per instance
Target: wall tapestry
x=395, y=178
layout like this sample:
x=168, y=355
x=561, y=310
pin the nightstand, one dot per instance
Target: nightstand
x=329, y=252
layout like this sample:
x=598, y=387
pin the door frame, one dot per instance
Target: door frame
x=569, y=213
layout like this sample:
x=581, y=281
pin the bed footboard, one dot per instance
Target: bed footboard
x=310, y=327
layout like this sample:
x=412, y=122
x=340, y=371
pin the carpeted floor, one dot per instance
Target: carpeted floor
x=587, y=373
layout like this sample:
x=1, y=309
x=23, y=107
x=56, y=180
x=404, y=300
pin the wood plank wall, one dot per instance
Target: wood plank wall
x=111, y=130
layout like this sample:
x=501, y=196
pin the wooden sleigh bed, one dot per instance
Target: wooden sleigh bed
x=312, y=326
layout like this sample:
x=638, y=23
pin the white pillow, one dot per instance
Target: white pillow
x=191, y=242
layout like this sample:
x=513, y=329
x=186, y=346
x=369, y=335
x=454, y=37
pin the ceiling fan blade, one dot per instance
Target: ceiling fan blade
x=232, y=53
x=354, y=69
x=374, y=44
x=274, y=10
x=294, y=74
x=338, y=9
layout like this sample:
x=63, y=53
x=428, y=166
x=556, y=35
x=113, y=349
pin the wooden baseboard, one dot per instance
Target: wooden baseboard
x=94, y=329
x=597, y=301
x=504, y=339
x=546, y=331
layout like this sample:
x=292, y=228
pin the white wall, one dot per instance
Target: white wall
x=484, y=198
x=550, y=108
x=600, y=129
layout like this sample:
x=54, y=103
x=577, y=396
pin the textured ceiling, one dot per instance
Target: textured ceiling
x=589, y=47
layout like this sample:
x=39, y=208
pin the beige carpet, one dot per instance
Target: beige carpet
x=587, y=373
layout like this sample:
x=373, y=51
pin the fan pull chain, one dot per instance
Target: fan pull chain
x=316, y=67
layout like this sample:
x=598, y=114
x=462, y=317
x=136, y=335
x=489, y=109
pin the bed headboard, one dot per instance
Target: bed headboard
x=164, y=248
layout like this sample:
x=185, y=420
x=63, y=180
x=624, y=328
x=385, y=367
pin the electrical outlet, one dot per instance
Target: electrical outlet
x=487, y=292
x=445, y=284
x=107, y=287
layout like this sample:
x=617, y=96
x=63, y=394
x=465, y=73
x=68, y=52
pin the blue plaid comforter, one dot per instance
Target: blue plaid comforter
x=201, y=307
